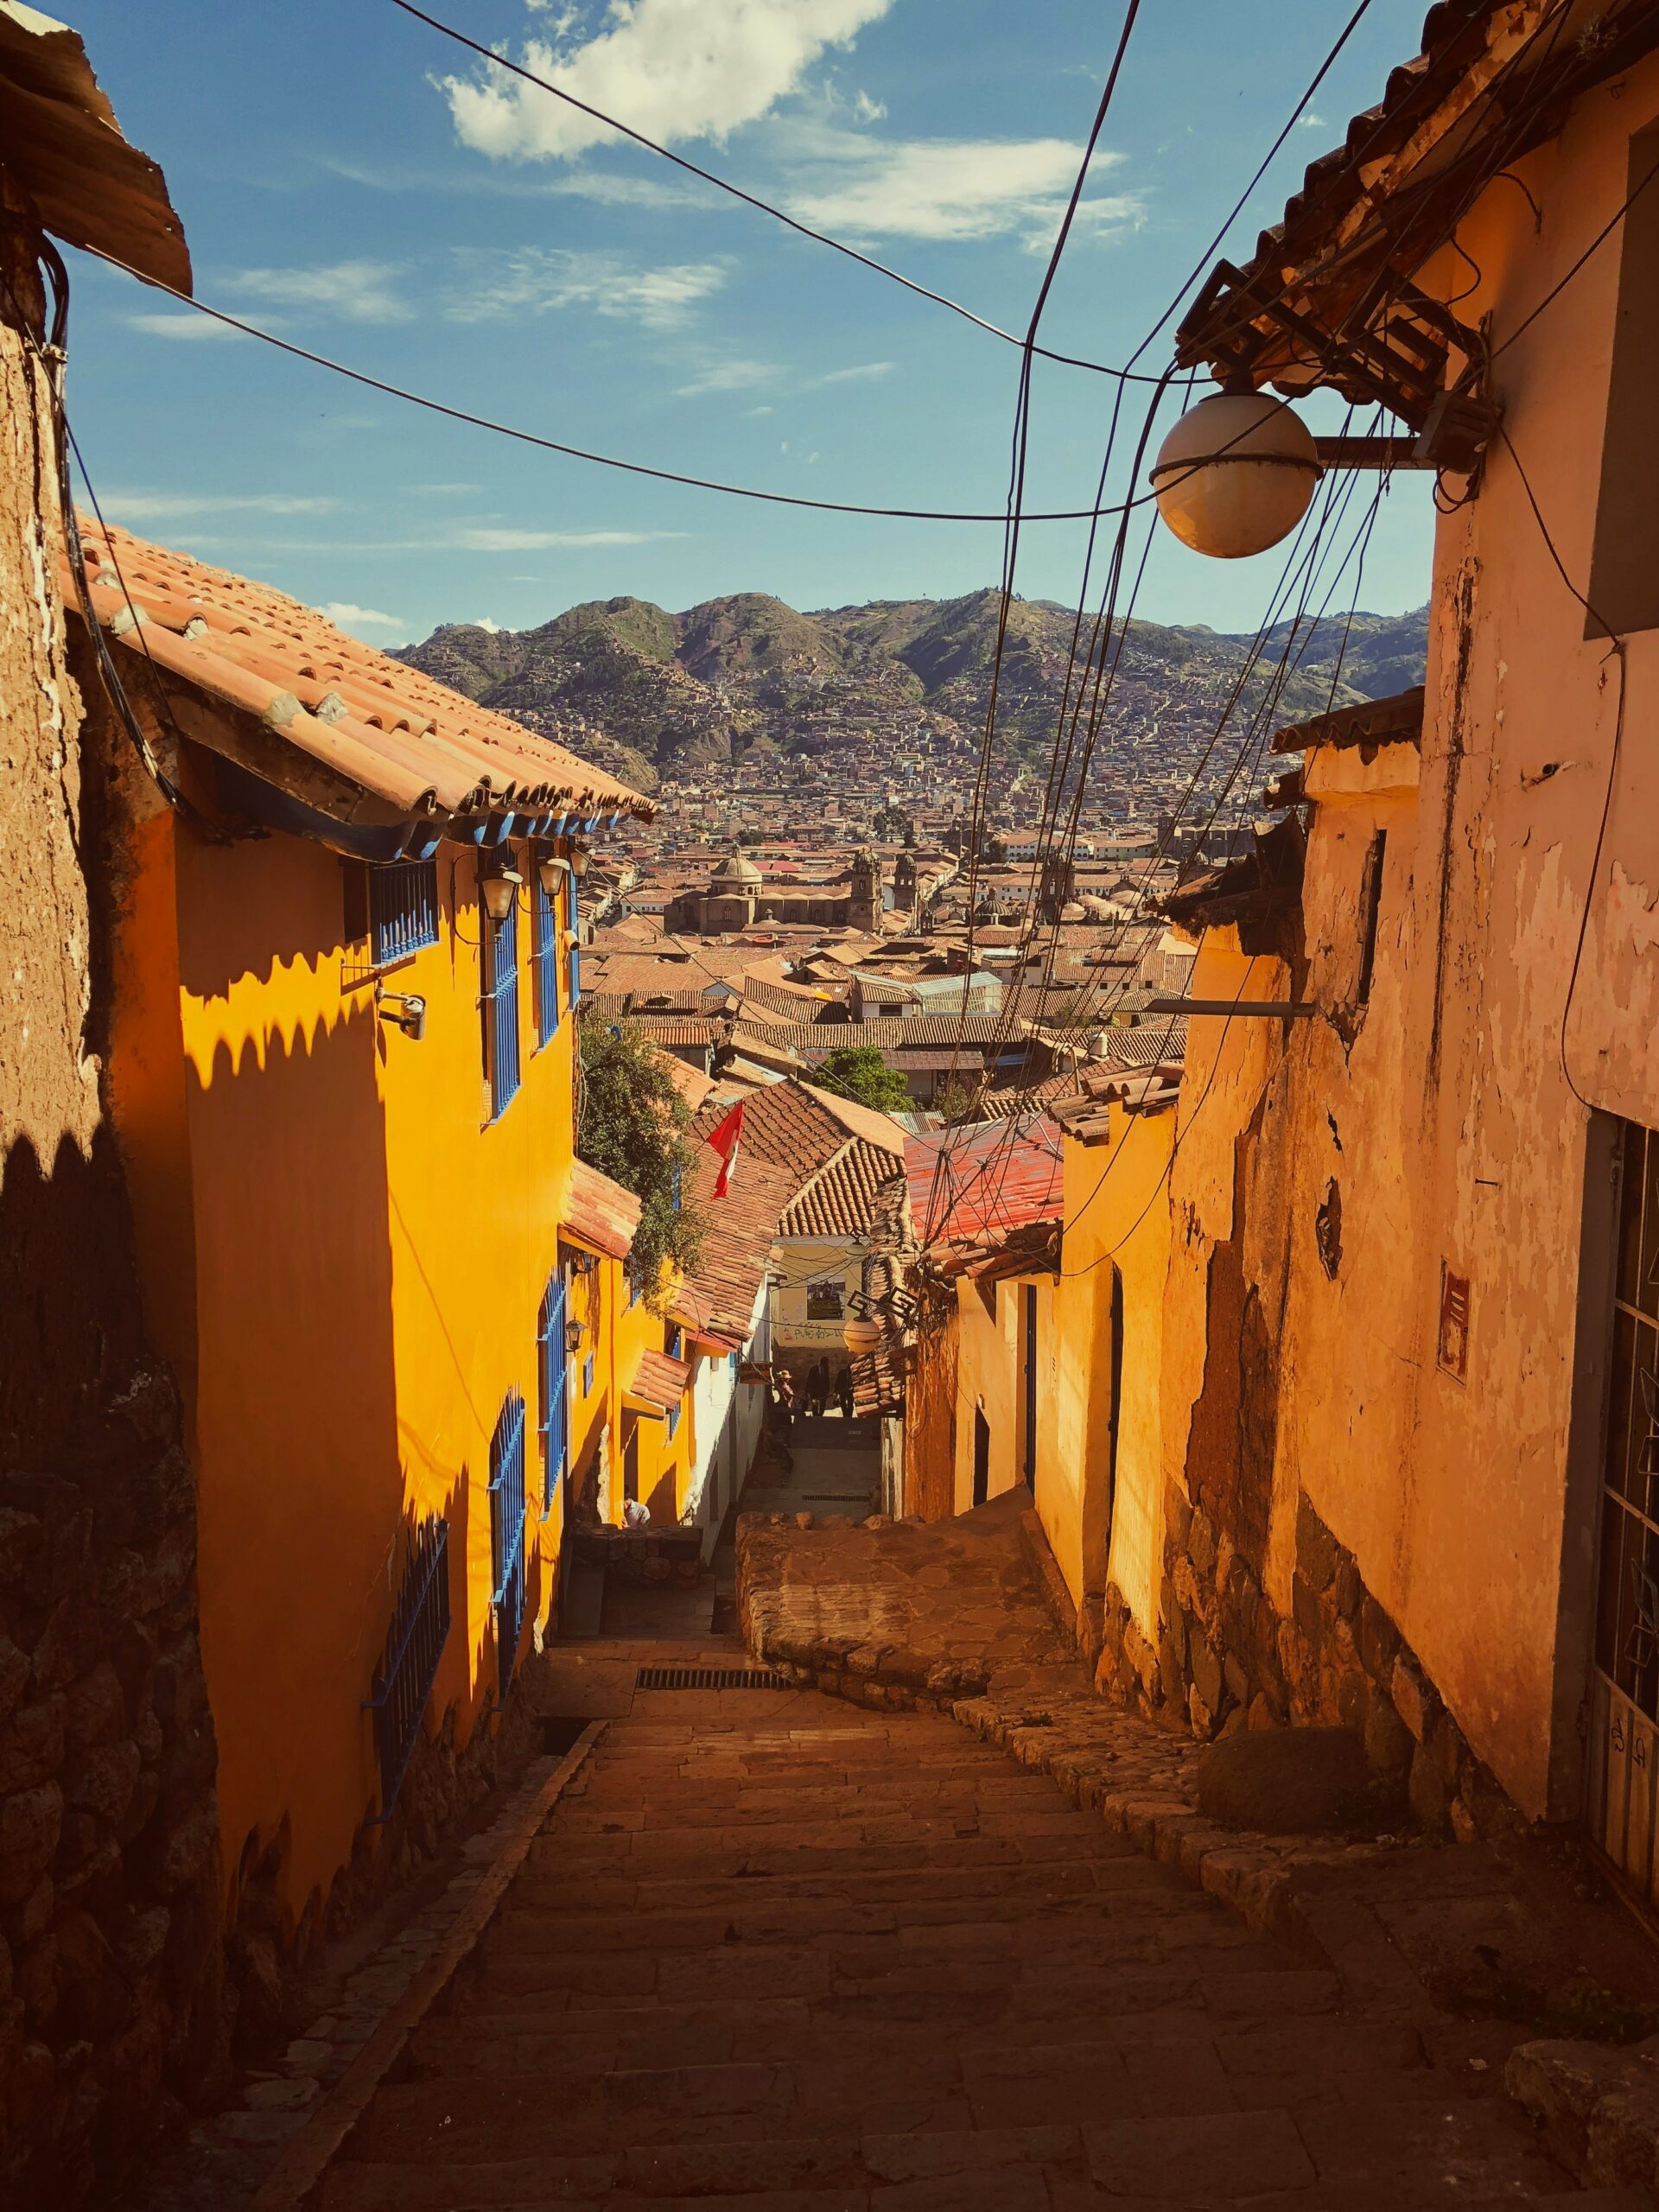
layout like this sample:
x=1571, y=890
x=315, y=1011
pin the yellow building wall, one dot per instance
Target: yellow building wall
x=1106, y=1524
x=991, y=1373
x=367, y=1261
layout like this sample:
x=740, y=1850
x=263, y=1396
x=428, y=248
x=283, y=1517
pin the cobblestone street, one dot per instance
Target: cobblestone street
x=773, y=1951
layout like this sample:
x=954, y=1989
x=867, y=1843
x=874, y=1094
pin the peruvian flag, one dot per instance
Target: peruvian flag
x=724, y=1137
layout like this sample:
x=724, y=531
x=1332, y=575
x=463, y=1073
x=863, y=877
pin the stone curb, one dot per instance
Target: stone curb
x=307, y=2153
x=1599, y=2107
x=1254, y=1874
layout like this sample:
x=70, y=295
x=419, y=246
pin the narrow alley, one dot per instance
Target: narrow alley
x=770, y=1950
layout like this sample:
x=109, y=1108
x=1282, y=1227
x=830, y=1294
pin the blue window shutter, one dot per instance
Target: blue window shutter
x=576, y=948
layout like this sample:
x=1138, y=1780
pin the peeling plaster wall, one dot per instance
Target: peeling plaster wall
x=1458, y=1509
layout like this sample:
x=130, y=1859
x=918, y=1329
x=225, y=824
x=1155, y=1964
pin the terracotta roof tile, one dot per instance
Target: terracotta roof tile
x=339, y=723
x=600, y=1213
x=841, y=1198
x=659, y=1380
x=717, y=1297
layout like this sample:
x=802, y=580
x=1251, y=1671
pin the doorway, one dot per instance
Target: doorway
x=981, y=1456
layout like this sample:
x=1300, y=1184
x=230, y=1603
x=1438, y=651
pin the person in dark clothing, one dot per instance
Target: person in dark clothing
x=817, y=1388
x=844, y=1393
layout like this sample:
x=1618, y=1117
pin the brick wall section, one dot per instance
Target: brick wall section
x=1227, y=1659
x=111, y=2010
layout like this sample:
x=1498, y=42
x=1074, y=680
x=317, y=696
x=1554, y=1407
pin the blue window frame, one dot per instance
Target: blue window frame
x=544, y=915
x=500, y=956
x=555, y=1411
x=507, y=1532
x=409, y=1665
x=402, y=909
x=588, y=1376
x=576, y=950
x=672, y=1342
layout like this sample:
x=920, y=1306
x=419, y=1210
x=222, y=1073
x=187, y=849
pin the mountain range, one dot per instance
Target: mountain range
x=646, y=693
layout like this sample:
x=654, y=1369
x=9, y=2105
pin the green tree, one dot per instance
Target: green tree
x=858, y=1071
x=632, y=1125
x=958, y=1102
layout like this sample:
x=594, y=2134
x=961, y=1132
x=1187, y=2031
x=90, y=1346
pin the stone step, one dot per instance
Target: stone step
x=1042, y=1920
x=973, y=1889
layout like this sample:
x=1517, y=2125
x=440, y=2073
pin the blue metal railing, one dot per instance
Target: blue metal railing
x=507, y=1532
x=409, y=1666
x=545, y=907
x=501, y=1006
x=402, y=909
x=556, y=1412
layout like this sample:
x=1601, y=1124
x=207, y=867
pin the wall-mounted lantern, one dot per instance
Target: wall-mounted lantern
x=574, y=1333
x=579, y=858
x=410, y=1016
x=552, y=874
x=1236, y=475
x=499, y=891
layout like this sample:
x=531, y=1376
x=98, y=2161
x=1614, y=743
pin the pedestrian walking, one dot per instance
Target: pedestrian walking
x=844, y=1393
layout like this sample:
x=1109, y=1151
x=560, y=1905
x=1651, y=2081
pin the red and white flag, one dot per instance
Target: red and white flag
x=725, y=1137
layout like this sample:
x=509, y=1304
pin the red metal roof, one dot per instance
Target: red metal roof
x=994, y=1176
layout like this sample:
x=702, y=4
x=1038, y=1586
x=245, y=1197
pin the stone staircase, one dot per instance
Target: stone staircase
x=775, y=1952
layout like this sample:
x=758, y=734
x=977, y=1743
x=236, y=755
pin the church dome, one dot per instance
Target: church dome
x=736, y=874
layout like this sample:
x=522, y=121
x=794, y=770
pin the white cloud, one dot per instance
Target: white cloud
x=866, y=109
x=483, y=622
x=674, y=69
x=1314, y=123
x=351, y=617
x=534, y=280
x=955, y=188
x=356, y=291
x=758, y=410
x=161, y=506
x=536, y=541
x=866, y=372
x=185, y=325
x=727, y=375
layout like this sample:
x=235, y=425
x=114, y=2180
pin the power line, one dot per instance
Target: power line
x=610, y=461
x=753, y=200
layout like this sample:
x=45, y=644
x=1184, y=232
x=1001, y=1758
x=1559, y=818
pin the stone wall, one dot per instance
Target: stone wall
x=112, y=2007
x=1227, y=1659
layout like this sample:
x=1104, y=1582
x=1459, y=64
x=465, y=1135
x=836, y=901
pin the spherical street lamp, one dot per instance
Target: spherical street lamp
x=1236, y=475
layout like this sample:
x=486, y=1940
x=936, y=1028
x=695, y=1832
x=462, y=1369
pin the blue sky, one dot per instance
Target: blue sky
x=347, y=177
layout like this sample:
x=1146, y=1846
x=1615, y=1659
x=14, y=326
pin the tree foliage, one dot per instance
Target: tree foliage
x=958, y=1101
x=632, y=1125
x=859, y=1072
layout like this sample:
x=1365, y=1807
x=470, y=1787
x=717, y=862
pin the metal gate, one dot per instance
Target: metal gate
x=1622, y=1766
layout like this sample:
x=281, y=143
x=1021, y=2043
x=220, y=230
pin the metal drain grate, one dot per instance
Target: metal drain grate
x=709, y=1678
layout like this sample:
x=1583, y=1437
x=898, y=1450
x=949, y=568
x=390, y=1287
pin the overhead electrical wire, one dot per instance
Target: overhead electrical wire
x=478, y=421
x=753, y=199
x=1517, y=124
x=1016, y=487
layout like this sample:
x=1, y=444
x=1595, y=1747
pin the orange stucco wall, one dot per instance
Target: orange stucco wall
x=346, y=1265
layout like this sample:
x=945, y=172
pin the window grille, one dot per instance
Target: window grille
x=576, y=950
x=501, y=941
x=545, y=907
x=556, y=1412
x=672, y=1341
x=409, y=1665
x=507, y=1531
x=588, y=1376
x=402, y=909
